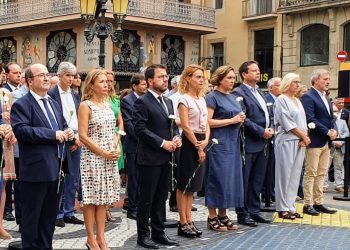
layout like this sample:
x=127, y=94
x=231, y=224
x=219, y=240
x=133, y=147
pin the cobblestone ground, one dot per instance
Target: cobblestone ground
x=122, y=234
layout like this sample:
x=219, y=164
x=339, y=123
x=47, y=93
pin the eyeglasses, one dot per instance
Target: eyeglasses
x=163, y=77
x=42, y=75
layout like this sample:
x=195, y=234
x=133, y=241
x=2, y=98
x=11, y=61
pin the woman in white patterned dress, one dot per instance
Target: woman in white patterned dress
x=99, y=174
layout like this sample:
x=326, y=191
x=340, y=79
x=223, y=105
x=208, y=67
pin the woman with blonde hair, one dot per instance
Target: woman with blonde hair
x=224, y=177
x=290, y=144
x=193, y=117
x=99, y=174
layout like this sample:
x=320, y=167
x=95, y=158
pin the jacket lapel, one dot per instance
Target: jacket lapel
x=56, y=113
x=157, y=104
x=319, y=99
x=250, y=94
x=39, y=111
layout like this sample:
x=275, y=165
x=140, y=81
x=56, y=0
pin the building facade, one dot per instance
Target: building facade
x=52, y=31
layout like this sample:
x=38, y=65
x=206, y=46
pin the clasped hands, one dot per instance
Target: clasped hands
x=304, y=141
x=7, y=133
x=239, y=118
x=268, y=133
x=332, y=133
x=66, y=135
x=172, y=145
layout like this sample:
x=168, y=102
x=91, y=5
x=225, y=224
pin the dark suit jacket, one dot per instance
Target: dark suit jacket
x=6, y=86
x=317, y=113
x=152, y=126
x=345, y=115
x=255, y=123
x=127, y=104
x=55, y=94
x=38, y=161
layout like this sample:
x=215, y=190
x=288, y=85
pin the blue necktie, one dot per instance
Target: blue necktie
x=53, y=123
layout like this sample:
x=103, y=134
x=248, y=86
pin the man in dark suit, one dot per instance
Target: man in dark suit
x=343, y=113
x=39, y=127
x=13, y=80
x=152, y=127
x=273, y=86
x=69, y=104
x=139, y=87
x=319, y=111
x=257, y=133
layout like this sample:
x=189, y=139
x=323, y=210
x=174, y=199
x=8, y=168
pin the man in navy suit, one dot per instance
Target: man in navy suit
x=139, y=87
x=319, y=111
x=152, y=127
x=69, y=104
x=343, y=113
x=39, y=127
x=273, y=86
x=257, y=133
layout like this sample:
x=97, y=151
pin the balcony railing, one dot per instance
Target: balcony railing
x=165, y=10
x=305, y=5
x=255, y=8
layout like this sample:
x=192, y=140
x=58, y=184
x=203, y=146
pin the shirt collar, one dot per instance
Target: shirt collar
x=154, y=93
x=38, y=97
x=322, y=94
x=137, y=96
x=273, y=96
x=62, y=91
x=11, y=86
x=251, y=88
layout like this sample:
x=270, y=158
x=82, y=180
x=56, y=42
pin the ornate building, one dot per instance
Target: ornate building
x=51, y=31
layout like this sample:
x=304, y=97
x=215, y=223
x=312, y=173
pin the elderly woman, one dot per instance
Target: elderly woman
x=290, y=143
x=224, y=180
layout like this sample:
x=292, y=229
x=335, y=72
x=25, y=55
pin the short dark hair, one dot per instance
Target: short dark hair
x=28, y=74
x=136, y=79
x=7, y=67
x=244, y=67
x=149, y=72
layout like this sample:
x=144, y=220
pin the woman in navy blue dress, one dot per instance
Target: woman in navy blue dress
x=224, y=180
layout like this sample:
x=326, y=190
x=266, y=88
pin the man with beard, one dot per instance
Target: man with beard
x=152, y=127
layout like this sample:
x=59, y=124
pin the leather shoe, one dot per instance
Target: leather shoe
x=9, y=216
x=246, y=221
x=174, y=209
x=164, y=240
x=60, y=223
x=310, y=210
x=258, y=218
x=73, y=220
x=324, y=209
x=194, y=209
x=147, y=243
x=131, y=215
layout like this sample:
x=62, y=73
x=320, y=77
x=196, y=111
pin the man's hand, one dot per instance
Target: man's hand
x=268, y=133
x=6, y=116
x=332, y=133
x=169, y=146
x=70, y=134
x=61, y=136
x=201, y=155
x=178, y=141
x=337, y=144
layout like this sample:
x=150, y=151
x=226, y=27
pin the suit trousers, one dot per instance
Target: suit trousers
x=154, y=186
x=253, y=180
x=39, y=210
x=133, y=188
x=17, y=194
x=70, y=187
x=316, y=166
x=337, y=157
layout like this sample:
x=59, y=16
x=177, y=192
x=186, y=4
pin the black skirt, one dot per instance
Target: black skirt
x=189, y=165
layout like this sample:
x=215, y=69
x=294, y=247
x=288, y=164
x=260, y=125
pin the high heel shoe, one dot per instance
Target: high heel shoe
x=195, y=229
x=109, y=216
x=186, y=231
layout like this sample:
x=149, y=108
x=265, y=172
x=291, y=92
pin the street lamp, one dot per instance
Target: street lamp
x=93, y=12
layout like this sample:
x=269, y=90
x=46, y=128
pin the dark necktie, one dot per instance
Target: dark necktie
x=160, y=98
x=53, y=123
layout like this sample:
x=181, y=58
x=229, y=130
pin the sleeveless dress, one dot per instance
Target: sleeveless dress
x=115, y=103
x=99, y=176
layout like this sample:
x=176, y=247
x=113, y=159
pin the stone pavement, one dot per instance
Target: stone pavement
x=122, y=234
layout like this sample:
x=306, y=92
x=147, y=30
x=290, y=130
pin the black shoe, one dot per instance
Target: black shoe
x=147, y=243
x=73, y=220
x=186, y=231
x=174, y=209
x=60, y=223
x=258, y=218
x=131, y=215
x=246, y=221
x=200, y=194
x=310, y=210
x=324, y=209
x=9, y=216
x=195, y=229
x=163, y=239
x=194, y=209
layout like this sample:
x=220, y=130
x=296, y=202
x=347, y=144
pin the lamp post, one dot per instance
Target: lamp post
x=93, y=12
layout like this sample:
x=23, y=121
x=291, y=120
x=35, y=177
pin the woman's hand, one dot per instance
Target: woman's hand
x=111, y=155
x=202, y=144
x=201, y=155
x=305, y=141
x=238, y=118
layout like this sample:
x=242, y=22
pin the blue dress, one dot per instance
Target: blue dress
x=224, y=178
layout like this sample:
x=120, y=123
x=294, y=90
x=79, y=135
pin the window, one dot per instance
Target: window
x=314, y=49
x=218, y=54
x=219, y=4
x=347, y=38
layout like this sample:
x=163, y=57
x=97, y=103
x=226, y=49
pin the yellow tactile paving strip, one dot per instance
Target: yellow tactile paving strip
x=339, y=219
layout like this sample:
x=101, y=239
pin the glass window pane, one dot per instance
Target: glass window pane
x=314, y=49
x=347, y=38
x=218, y=4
